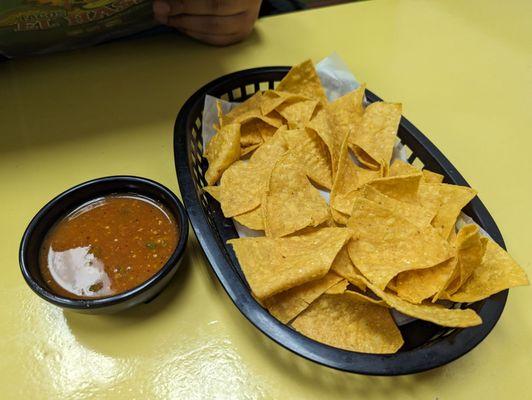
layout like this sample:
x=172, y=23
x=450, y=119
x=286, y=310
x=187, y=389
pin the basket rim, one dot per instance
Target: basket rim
x=438, y=353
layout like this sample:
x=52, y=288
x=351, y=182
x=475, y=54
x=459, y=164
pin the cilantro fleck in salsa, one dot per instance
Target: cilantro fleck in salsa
x=107, y=246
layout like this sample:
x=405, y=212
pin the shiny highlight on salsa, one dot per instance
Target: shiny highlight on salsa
x=107, y=246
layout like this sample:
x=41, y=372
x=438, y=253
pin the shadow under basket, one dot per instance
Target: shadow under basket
x=426, y=345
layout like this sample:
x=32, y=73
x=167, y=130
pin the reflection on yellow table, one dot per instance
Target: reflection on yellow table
x=459, y=68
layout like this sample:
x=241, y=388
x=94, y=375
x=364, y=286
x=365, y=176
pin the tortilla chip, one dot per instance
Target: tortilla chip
x=220, y=113
x=254, y=116
x=291, y=202
x=269, y=152
x=297, y=112
x=222, y=150
x=348, y=179
x=454, y=318
x=244, y=151
x=428, y=196
x=432, y=177
x=376, y=136
x=344, y=267
x=420, y=284
x=400, y=167
x=312, y=154
x=303, y=79
x=273, y=265
x=349, y=322
x=339, y=287
x=252, y=219
x=402, y=187
x=271, y=99
x=470, y=252
x=384, y=244
x=214, y=191
x=498, y=271
x=287, y=305
x=346, y=113
x=338, y=217
x=452, y=199
x=413, y=213
x=321, y=125
x=250, y=133
x=243, y=183
x=250, y=106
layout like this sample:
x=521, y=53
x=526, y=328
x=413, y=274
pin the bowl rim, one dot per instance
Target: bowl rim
x=101, y=302
x=438, y=353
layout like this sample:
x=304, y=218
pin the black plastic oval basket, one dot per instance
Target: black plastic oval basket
x=426, y=345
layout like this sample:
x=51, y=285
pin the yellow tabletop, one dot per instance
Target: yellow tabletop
x=462, y=71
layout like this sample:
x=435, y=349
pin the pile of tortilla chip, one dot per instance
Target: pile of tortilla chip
x=348, y=234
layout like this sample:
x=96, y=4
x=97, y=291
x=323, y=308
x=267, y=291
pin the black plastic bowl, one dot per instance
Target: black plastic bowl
x=426, y=345
x=75, y=197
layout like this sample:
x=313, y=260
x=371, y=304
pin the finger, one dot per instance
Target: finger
x=207, y=7
x=161, y=11
x=225, y=25
x=216, y=40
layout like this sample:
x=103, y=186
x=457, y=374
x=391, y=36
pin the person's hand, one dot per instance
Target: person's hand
x=217, y=22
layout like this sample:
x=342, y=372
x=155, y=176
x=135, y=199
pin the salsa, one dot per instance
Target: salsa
x=107, y=246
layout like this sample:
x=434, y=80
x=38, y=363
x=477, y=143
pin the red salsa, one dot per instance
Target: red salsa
x=107, y=246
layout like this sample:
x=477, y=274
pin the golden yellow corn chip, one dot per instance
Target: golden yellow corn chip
x=413, y=213
x=428, y=196
x=241, y=187
x=420, y=284
x=291, y=202
x=432, y=177
x=384, y=244
x=251, y=219
x=321, y=125
x=402, y=187
x=297, y=112
x=256, y=131
x=344, y=267
x=303, y=79
x=454, y=318
x=271, y=99
x=338, y=217
x=339, y=287
x=452, y=199
x=350, y=322
x=366, y=298
x=222, y=150
x=269, y=152
x=273, y=265
x=346, y=113
x=220, y=113
x=250, y=134
x=470, y=251
x=376, y=135
x=348, y=179
x=312, y=154
x=250, y=106
x=498, y=271
x=244, y=151
x=243, y=183
x=273, y=121
x=214, y=191
x=400, y=167
x=287, y=305
x=392, y=285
